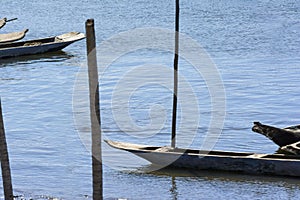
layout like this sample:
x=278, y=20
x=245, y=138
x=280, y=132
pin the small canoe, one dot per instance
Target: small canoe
x=4, y=20
x=237, y=162
x=39, y=46
x=11, y=37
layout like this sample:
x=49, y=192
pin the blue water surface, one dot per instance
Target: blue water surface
x=255, y=46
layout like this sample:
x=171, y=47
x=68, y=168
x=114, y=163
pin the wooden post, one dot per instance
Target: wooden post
x=94, y=110
x=6, y=176
x=175, y=92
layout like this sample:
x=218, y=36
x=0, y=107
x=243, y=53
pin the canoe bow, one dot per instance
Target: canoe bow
x=11, y=37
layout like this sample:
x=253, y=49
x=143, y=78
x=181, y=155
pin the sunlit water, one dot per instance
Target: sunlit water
x=254, y=44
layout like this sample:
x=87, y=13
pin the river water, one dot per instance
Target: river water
x=254, y=50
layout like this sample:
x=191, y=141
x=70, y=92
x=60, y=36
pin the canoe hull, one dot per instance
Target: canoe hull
x=231, y=164
x=247, y=163
x=38, y=46
x=31, y=50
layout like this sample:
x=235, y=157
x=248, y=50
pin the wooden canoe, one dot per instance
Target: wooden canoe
x=39, y=46
x=4, y=20
x=247, y=163
x=11, y=37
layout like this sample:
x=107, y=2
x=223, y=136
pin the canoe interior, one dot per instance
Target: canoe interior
x=156, y=149
x=195, y=151
x=225, y=153
x=19, y=44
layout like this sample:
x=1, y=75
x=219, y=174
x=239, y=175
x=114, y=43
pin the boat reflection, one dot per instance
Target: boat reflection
x=178, y=177
x=46, y=57
x=220, y=175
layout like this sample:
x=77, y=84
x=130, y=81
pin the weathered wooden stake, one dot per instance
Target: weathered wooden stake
x=94, y=110
x=6, y=176
x=173, y=139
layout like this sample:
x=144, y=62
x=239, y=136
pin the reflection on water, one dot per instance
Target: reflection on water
x=187, y=184
x=224, y=176
x=57, y=56
x=173, y=189
x=183, y=181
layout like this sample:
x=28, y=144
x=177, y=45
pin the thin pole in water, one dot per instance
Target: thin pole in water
x=6, y=176
x=175, y=92
x=9, y=20
x=94, y=110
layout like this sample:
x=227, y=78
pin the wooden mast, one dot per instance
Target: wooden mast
x=175, y=92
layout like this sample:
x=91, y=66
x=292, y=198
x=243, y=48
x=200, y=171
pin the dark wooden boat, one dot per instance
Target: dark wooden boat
x=39, y=46
x=11, y=37
x=237, y=162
